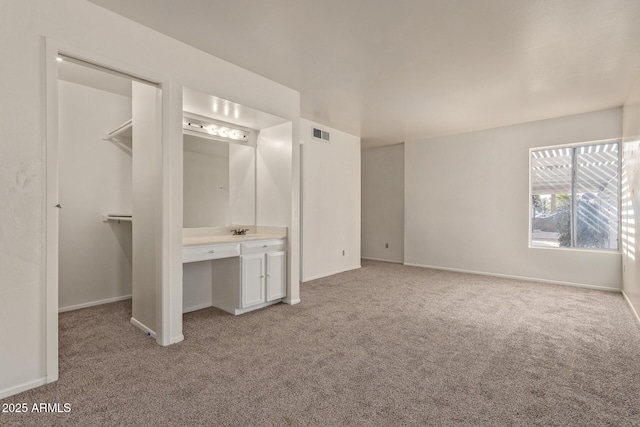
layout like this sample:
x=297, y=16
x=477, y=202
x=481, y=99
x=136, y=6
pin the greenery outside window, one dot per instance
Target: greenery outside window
x=575, y=196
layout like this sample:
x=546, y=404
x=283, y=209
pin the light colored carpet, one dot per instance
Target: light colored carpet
x=384, y=345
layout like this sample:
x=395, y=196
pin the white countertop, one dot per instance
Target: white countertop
x=216, y=239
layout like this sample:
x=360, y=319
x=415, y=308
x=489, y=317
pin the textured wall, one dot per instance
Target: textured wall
x=631, y=197
x=383, y=203
x=22, y=201
x=330, y=204
x=95, y=179
x=273, y=201
x=467, y=202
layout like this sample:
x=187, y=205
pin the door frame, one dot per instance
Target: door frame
x=53, y=48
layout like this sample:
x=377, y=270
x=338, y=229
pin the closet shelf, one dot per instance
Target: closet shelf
x=121, y=134
x=116, y=217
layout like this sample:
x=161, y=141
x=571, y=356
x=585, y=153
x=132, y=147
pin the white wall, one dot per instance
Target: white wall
x=147, y=197
x=273, y=188
x=467, y=202
x=273, y=198
x=99, y=35
x=206, y=182
x=631, y=198
x=242, y=184
x=198, y=290
x=330, y=203
x=383, y=203
x=95, y=179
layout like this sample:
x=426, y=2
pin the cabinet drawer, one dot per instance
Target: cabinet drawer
x=203, y=253
x=263, y=246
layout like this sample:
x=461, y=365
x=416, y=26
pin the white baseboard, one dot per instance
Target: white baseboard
x=142, y=327
x=93, y=303
x=380, y=259
x=320, y=276
x=528, y=279
x=291, y=302
x=196, y=307
x=633, y=309
x=177, y=339
x=22, y=387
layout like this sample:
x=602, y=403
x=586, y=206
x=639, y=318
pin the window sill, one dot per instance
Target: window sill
x=597, y=251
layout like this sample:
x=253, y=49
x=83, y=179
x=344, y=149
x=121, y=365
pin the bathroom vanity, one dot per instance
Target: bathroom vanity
x=236, y=274
x=236, y=175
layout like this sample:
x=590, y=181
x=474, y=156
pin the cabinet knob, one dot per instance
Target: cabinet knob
x=212, y=251
x=264, y=246
x=262, y=276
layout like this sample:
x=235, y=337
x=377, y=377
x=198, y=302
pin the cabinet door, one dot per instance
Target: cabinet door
x=276, y=275
x=252, y=280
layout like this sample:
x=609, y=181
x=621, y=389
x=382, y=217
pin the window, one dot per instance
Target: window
x=575, y=196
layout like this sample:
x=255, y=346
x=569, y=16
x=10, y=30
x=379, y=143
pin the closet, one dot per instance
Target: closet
x=108, y=174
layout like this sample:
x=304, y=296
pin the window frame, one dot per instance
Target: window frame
x=572, y=146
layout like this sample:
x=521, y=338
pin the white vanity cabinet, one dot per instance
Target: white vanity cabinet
x=236, y=277
x=203, y=253
x=253, y=277
x=263, y=273
x=276, y=275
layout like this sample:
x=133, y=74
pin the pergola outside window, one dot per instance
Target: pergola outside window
x=575, y=196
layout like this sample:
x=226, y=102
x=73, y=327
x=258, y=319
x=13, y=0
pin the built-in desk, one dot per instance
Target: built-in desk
x=236, y=274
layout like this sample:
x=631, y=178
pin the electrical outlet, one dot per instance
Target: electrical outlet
x=386, y=245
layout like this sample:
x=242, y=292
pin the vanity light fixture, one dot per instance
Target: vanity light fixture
x=216, y=130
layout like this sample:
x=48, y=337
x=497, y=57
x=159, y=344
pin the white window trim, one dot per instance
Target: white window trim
x=573, y=145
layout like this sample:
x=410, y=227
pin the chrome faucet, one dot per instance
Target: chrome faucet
x=239, y=231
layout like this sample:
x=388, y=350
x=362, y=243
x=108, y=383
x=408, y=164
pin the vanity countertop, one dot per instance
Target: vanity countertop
x=215, y=239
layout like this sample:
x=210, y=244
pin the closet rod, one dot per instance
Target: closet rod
x=104, y=69
x=120, y=129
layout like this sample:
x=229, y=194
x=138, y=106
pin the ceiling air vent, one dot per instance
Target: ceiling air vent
x=321, y=134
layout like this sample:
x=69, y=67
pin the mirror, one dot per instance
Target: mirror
x=222, y=140
x=219, y=183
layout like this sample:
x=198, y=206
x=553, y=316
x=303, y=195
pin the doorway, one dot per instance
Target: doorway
x=98, y=182
x=95, y=185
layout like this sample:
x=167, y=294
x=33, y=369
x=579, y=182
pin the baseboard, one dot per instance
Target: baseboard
x=508, y=276
x=93, y=303
x=239, y=311
x=22, y=387
x=633, y=309
x=142, y=327
x=177, y=339
x=382, y=260
x=320, y=276
x=291, y=302
x=196, y=308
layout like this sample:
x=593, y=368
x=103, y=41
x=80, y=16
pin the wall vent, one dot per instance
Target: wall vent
x=321, y=134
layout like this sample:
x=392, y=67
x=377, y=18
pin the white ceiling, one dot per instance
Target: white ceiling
x=227, y=111
x=401, y=70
